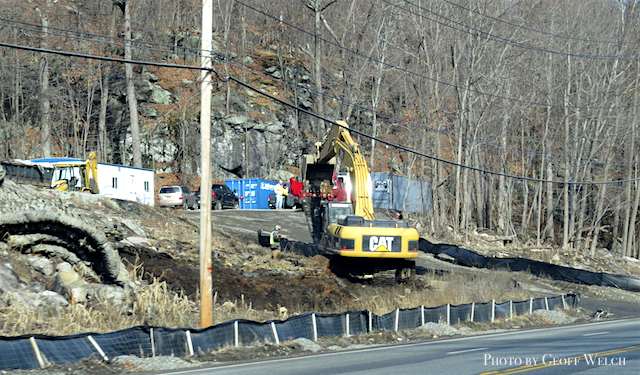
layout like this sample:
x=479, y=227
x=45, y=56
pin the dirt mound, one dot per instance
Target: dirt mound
x=264, y=288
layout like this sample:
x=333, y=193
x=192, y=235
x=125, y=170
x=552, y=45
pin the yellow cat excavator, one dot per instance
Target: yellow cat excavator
x=77, y=176
x=348, y=232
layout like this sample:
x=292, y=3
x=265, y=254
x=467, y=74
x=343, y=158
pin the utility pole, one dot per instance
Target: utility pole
x=206, y=299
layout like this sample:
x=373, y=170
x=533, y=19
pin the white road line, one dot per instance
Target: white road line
x=467, y=351
x=595, y=333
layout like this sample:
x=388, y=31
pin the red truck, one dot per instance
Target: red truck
x=341, y=192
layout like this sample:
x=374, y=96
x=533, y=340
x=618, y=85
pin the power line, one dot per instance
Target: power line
x=478, y=32
x=285, y=81
x=404, y=70
x=103, y=58
x=228, y=59
x=282, y=101
x=534, y=30
x=337, y=45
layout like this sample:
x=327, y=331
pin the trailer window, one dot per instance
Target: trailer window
x=146, y=186
x=114, y=182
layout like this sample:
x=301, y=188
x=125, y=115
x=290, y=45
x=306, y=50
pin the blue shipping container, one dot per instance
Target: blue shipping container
x=253, y=192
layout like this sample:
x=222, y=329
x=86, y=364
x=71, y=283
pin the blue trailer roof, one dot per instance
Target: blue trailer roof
x=55, y=160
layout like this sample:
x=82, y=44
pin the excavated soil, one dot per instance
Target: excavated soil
x=262, y=287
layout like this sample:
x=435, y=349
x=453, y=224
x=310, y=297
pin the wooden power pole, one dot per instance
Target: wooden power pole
x=206, y=299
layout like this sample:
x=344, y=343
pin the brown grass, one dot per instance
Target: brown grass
x=438, y=290
x=155, y=305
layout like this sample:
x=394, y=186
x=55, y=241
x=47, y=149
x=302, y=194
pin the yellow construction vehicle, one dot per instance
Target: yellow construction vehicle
x=77, y=176
x=356, y=242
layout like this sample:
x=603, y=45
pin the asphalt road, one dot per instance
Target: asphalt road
x=595, y=348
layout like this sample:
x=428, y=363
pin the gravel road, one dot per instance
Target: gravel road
x=293, y=221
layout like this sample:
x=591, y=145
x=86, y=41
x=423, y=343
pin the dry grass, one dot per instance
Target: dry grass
x=438, y=290
x=156, y=305
x=152, y=305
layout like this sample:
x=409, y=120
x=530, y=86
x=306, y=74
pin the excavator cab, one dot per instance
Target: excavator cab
x=77, y=176
x=334, y=211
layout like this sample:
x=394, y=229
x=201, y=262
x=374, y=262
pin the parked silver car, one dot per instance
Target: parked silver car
x=177, y=196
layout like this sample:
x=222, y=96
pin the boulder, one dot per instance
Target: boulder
x=134, y=227
x=139, y=242
x=236, y=120
x=66, y=279
x=8, y=278
x=45, y=302
x=40, y=264
x=160, y=95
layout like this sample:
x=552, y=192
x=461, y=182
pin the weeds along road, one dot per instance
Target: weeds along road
x=293, y=222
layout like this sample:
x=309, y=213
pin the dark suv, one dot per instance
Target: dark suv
x=221, y=197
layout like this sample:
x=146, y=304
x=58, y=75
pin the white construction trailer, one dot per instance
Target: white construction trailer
x=128, y=183
x=117, y=181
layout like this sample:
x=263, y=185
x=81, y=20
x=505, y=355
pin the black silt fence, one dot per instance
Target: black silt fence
x=31, y=352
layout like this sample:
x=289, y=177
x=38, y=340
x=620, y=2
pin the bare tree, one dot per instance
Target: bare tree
x=131, y=90
x=317, y=7
x=45, y=104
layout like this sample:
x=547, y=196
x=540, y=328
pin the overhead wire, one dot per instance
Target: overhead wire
x=593, y=161
x=229, y=59
x=439, y=81
x=489, y=36
x=311, y=89
x=404, y=70
x=497, y=19
x=310, y=113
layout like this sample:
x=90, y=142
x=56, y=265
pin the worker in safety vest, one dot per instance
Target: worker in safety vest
x=274, y=242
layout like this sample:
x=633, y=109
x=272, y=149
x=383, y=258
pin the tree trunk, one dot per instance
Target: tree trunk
x=502, y=214
x=104, y=96
x=317, y=70
x=45, y=103
x=567, y=168
x=630, y=219
x=131, y=90
x=549, y=230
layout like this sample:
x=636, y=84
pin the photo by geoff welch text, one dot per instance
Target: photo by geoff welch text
x=551, y=360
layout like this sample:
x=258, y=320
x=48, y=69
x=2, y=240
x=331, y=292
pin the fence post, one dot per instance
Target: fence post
x=98, y=348
x=395, y=328
x=530, y=305
x=153, y=344
x=510, y=309
x=422, y=314
x=546, y=303
x=347, y=316
x=473, y=310
x=235, y=333
x=448, y=314
x=36, y=350
x=493, y=310
x=189, y=342
x=315, y=327
x=275, y=333
x=564, y=303
x=370, y=322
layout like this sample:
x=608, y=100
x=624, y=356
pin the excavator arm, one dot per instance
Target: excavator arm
x=339, y=143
